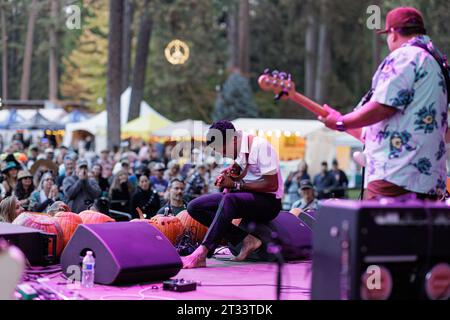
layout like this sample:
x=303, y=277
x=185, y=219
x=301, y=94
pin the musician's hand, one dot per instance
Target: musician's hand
x=225, y=182
x=331, y=119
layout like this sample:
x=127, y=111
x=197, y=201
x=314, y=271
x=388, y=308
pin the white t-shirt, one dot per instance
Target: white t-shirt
x=263, y=159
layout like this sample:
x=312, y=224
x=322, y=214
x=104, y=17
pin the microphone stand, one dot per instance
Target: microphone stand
x=274, y=248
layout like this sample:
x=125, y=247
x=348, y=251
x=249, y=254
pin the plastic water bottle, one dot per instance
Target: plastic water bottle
x=88, y=270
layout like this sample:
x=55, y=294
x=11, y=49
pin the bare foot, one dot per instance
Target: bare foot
x=249, y=244
x=196, y=259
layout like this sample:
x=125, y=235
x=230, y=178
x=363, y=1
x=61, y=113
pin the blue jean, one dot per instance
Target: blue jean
x=217, y=210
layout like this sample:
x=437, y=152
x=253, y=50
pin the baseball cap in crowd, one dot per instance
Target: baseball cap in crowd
x=404, y=18
x=49, y=150
x=82, y=163
x=158, y=167
x=306, y=184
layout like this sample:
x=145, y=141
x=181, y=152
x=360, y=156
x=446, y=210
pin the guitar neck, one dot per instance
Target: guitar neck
x=309, y=104
x=318, y=110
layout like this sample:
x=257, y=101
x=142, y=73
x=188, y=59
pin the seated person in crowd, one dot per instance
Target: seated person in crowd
x=308, y=200
x=176, y=202
x=292, y=183
x=79, y=190
x=324, y=183
x=10, y=169
x=66, y=169
x=173, y=171
x=45, y=195
x=144, y=199
x=157, y=181
x=97, y=175
x=341, y=181
x=196, y=184
x=10, y=209
x=120, y=192
x=24, y=188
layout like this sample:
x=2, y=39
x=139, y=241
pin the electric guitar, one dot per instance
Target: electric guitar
x=282, y=85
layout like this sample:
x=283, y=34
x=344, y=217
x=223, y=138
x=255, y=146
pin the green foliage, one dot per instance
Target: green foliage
x=188, y=90
x=235, y=100
x=277, y=41
x=84, y=77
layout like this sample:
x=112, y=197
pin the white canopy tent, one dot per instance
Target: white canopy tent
x=184, y=129
x=301, y=128
x=322, y=144
x=96, y=125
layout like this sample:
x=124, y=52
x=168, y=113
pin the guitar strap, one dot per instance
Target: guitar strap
x=443, y=64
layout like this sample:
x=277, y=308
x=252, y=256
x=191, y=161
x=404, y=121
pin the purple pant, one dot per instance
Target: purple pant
x=217, y=210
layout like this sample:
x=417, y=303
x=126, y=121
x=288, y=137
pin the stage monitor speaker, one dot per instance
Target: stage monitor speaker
x=293, y=234
x=125, y=253
x=379, y=250
x=34, y=243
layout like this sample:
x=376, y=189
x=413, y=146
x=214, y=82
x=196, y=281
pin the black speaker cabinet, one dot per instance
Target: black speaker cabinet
x=293, y=235
x=125, y=253
x=381, y=250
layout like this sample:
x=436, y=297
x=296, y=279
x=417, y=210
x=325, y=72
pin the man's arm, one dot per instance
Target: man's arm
x=269, y=183
x=92, y=188
x=371, y=113
x=70, y=188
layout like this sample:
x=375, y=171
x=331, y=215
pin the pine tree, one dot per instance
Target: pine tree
x=84, y=77
x=235, y=100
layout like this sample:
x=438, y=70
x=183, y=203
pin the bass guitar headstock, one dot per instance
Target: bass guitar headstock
x=278, y=82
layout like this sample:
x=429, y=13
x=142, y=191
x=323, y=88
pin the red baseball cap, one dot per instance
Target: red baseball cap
x=404, y=17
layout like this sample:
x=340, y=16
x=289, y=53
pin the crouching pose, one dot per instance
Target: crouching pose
x=253, y=193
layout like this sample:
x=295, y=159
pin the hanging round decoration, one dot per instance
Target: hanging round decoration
x=177, y=52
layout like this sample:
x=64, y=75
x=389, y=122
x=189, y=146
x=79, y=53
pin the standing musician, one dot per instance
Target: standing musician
x=254, y=196
x=404, y=114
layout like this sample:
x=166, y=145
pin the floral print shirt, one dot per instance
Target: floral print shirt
x=408, y=149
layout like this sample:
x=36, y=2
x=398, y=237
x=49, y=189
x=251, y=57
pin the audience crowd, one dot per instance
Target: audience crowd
x=134, y=181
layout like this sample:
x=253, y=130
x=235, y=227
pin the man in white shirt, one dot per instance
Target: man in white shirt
x=255, y=195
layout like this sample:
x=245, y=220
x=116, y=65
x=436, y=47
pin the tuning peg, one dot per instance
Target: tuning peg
x=280, y=95
x=266, y=71
x=275, y=73
x=283, y=75
x=289, y=77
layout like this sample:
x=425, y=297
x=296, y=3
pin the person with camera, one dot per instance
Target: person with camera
x=79, y=190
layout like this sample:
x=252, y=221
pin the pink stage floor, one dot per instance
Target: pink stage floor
x=255, y=281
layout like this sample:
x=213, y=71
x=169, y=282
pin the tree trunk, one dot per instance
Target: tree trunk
x=244, y=37
x=311, y=49
x=26, y=69
x=126, y=47
x=324, y=57
x=233, y=38
x=53, y=59
x=113, y=84
x=142, y=50
x=4, y=55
